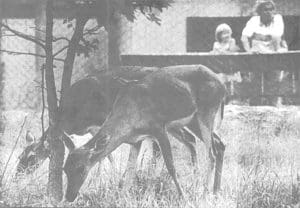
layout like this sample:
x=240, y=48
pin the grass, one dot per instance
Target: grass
x=261, y=170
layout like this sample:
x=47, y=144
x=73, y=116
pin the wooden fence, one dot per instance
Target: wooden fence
x=265, y=77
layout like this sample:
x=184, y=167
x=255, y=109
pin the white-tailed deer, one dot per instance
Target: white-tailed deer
x=169, y=100
x=87, y=103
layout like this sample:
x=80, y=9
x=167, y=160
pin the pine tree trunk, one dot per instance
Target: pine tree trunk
x=70, y=57
x=40, y=24
x=114, y=27
x=55, y=183
x=1, y=90
x=1, y=69
x=55, y=189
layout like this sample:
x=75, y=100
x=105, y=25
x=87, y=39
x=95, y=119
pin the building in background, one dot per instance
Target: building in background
x=186, y=27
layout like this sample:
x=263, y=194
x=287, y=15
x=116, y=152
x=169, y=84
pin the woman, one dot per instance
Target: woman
x=263, y=32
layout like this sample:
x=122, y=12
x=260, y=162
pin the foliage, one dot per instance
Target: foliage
x=103, y=11
x=98, y=8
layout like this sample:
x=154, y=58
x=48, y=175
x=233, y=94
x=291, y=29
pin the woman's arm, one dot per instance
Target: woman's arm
x=248, y=32
x=233, y=46
x=246, y=44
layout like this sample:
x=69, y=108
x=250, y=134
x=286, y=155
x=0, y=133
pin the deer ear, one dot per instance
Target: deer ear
x=29, y=138
x=96, y=143
x=93, y=130
x=68, y=142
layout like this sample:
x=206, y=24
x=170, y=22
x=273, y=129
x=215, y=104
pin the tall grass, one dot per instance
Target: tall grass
x=261, y=170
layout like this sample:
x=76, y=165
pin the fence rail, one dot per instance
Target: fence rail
x=265, y=76
x=288, y=61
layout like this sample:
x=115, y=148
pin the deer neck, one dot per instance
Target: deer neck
x=117, y=129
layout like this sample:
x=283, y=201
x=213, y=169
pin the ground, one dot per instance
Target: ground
x=261, y=167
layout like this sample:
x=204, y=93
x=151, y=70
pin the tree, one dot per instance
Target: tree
x=107, y=14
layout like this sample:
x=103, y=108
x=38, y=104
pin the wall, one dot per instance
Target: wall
x=144, y=37
x=141, y=37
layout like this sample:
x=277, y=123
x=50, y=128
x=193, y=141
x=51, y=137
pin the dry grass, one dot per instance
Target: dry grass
x=261, y=169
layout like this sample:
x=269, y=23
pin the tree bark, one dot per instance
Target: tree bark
x=56, y=146
x=114, y=27
x=71, y=53
x=50, y=80
x=40, y=20
x=1, y=65
x=55, y=181
x=1, y=87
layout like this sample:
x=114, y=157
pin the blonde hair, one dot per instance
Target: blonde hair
x=222, y=28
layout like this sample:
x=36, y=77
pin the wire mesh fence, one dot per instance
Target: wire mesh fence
x=22, y=74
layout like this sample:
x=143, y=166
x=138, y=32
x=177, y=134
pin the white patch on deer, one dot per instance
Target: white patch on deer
x=80, y=140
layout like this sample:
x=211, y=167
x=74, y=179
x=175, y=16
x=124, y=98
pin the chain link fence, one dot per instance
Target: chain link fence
x=189, y=26
x=22, y=74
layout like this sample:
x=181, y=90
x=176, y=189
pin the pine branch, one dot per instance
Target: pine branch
x=61, y=38
x=23, y=35
x=60, y=50
x=29, y=54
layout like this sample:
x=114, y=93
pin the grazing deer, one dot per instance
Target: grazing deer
x=165, y=101
x=87, y=103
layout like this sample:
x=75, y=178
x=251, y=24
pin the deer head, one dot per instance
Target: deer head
x=80, y=161
x=34, y=153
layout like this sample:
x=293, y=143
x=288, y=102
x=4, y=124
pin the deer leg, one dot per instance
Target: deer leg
x=219, y=149
x=130, y=171
x=191, y=131
x=191, y=145
x=156, y=153
x=165, y=147
x=206, y=134
x=193, y=126
x=186, y=138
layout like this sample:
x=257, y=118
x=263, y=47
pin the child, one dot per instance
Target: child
x=224, y=42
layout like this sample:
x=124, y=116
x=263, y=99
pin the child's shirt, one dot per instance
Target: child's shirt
x=223, y=48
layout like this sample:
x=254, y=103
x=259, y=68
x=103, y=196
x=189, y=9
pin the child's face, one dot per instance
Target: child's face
x=225, y=37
